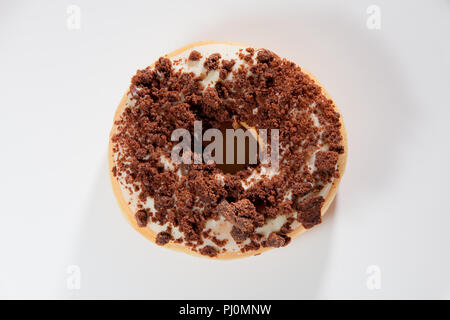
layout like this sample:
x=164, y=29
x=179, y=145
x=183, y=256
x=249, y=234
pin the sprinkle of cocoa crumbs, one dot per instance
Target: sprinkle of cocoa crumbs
x=238, y=235
x=194, y=55
x=309, y=211
x=212, y=62
x=265, y=92
x=163, y=238
x=209, y=251
x=277, y=240
x=264, y=56
x=141, y=218
x=326, y=161
x=228, y=64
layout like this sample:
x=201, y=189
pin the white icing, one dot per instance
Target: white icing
x=272, y=225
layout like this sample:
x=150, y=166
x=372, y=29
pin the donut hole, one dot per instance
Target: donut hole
x=239, y=148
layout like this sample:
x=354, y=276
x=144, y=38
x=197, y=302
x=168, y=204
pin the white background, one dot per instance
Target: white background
x=59, y=91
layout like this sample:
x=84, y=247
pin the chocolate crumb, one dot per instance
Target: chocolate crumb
x=238, y=235
x=163, y=238
x=326, y=161
x=209, y=251
x=286, y=228
x=264, y=56
x=218, y=242
x=252, y=246
x=194, y=55
x=309, y=211
x=212, y=62
x=228, y=64
x=223, y=73
x=277, y=240
x=212, y=105
x=164, y=66
x=141, y=218
x=233, y=186
x=301, y=189
x=242, y=214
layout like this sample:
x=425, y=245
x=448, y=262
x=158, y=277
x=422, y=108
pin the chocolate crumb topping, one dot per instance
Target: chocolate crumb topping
x=223, y=73
x=286, y=228
x=309, y=211
x=242, y=214
x=228, y=64
x=209, y=251
x=238, y=235
x=252, y=246
x=163, y=65
x=163, y=238
x=212, y=105
x=300, y=189
x=212, y=62
x=141, y=218
x=218, y=242
x=277, y=240
x=194, y=55
x=259, y=89
x=264, y=56
x=326, y=161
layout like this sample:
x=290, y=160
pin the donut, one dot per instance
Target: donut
x=225, y=210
